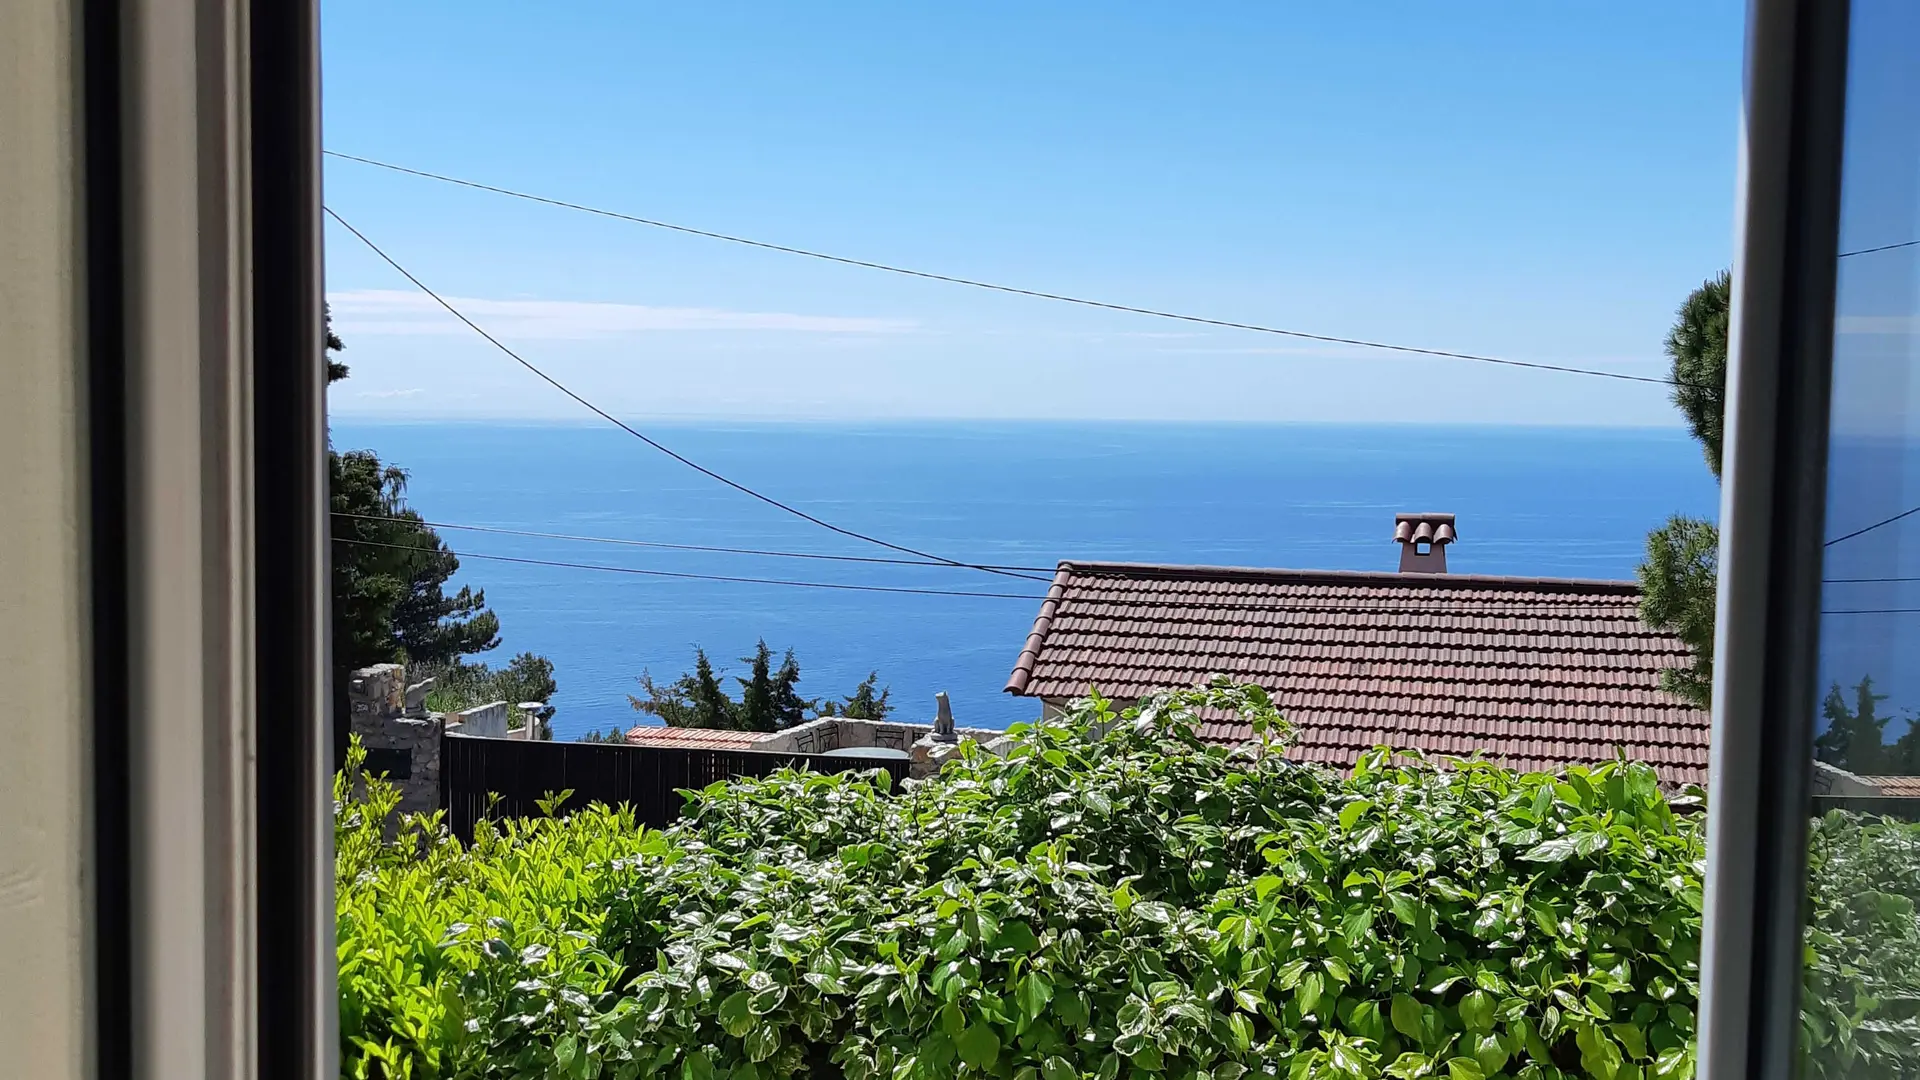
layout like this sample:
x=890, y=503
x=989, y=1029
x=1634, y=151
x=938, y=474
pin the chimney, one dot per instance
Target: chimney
x=1423, y=540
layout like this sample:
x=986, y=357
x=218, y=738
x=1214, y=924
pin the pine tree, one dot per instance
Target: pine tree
x=1677, y=594
x=389, y=573
x=335, y=369
x=789, y=708
x=711, y=706
x=769, y=698
x=1855, y=738
x=390, y=568
x=1697, y=345
x=755, y=710
x=863, y=703
x=1680, y=577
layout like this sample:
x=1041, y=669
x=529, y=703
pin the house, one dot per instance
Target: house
x=1537, y=673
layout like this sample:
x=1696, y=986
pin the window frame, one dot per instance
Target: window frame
x=252, y=121
x=1772, y=521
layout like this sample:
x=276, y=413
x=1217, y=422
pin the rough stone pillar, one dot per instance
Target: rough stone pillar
x=405, y=748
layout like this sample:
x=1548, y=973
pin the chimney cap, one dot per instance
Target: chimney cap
x=1424, y=529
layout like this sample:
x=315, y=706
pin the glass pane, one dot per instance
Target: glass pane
x=1861, y=1014
x=984, y=356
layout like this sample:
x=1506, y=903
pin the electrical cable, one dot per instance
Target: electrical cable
x=1882, y=247
x=1037, y=294
x=691, y=547
x=1875, y=525
x=1431, y=604
x=622, y=425
x=1072, y=606
x=1512, y=609
x=687, y=576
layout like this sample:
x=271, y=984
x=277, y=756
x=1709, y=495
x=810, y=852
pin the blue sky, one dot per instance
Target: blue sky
x=1537, y=181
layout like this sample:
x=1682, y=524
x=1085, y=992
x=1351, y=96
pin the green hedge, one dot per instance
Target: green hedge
x=1134, y=903
x=1860, y=1008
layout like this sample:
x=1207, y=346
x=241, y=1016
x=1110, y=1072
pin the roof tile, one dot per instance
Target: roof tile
x=1535, y=672
x=706, y=738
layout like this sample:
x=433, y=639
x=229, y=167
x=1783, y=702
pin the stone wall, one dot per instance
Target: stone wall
x=487, y=721
x=402, y=742
x=915, y=740
x=1829, y=780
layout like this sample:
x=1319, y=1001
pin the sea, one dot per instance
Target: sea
x=1550, y=501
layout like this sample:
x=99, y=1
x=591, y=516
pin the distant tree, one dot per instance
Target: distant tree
x=611, y=735
x=863, y=703
x=696, y=699
x=671, y=702
x=1697, y=345
x=1903, y=757
x=1855, y=738
x=335, y=369
x=789, y=708
x=390, y=572
x=461, y=684
x=1677, y=592
x=769, y=697
x=390, y=569
x=755, y=709
x=1680, y=577
x=711, y=706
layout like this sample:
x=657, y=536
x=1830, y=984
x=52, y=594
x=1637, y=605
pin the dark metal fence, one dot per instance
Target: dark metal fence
x=647, y=778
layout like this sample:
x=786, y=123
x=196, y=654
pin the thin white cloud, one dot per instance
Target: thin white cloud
x=369, y=312
x=408, y=392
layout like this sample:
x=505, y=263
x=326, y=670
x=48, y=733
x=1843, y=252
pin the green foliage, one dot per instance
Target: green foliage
x=769, y=698
x=611, y=735
x=1678, y=582
x=863, y=703
x=461, y=684
x=1113, y=899
x=1697, y=345
x=433, y=936
x=332, y=344
x=1855, y=738
x=1860, y=1010
x=389, y=568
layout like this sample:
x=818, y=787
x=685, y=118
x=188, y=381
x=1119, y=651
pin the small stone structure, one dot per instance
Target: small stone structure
x=403, y=739
x=927, y=751
x=402, y=744
x=1832, y=780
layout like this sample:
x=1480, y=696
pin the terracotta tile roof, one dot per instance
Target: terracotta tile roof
x=1905, y=787
x=1536, y=672
x=707, y=738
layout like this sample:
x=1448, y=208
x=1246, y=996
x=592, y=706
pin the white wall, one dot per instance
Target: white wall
x=44, y=791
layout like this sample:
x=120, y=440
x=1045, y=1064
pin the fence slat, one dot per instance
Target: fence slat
x=646, y=778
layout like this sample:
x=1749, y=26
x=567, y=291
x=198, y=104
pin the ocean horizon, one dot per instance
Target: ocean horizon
x=1530, y=501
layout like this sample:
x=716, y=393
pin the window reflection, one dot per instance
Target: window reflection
x=1861, y=1009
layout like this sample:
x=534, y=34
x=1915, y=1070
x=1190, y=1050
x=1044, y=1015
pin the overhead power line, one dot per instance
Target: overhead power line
x=973, y=283
x=1882, y=247
x=1875, y=525
x=692, y=547
x=624, y=426
x=1513, y=610
x=693, y=577
x=1076, y=606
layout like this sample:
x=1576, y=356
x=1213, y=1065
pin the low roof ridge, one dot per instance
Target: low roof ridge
x=1175, y=571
